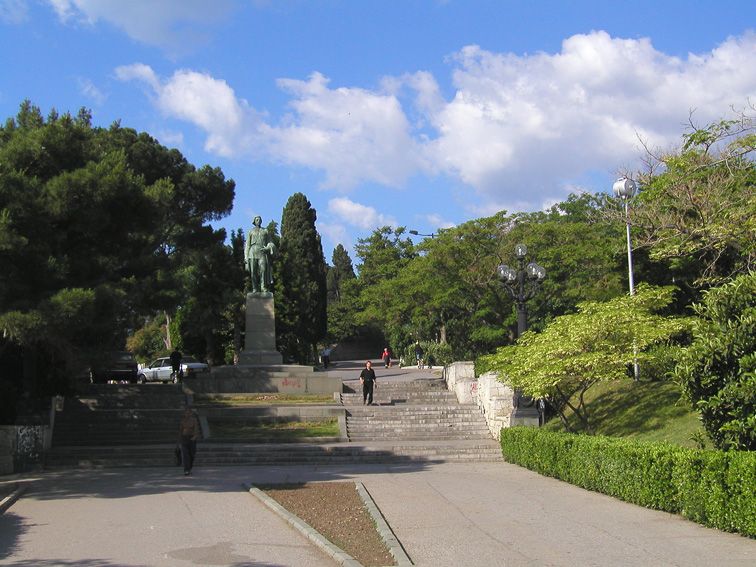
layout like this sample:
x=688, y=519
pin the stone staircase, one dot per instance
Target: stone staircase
x=416, y=422
x=114, y=415
x=215, y=454
x=420, y=418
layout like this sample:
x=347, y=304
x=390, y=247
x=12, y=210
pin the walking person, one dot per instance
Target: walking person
x=176, y=372
x=367, y=379
x=189, y=433
x=386, y=356
x=419, y=355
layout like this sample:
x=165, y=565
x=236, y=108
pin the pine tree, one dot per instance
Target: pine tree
x=341, y=271
x=301, y=285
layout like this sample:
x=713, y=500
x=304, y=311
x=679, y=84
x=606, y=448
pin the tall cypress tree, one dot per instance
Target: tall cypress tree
x=341, y=271
x=301, y=287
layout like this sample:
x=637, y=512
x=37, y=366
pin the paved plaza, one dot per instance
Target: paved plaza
x=443, y=514
x=455, y=514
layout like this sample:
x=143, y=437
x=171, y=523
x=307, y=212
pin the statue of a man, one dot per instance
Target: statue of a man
x=257, y=253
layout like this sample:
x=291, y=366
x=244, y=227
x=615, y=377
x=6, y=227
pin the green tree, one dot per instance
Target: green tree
x=383, y=256
x=699, y=213
x=122, y=217
x=447, y=289
x=341, y=271
x=718, y=370
x=215, y=295
x=343, y=291
x=575, y=351
x=301, y=287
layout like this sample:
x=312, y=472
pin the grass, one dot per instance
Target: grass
x=262, y=399
x=648, y=411
x=281, y=431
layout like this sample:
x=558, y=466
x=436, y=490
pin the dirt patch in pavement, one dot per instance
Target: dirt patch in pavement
x=336, y=510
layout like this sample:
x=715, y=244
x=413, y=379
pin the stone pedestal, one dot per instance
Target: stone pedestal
x=260, y=331
x=260, y=367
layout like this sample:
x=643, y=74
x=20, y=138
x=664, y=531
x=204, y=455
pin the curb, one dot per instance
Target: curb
x=336, y=553
x=9, y=500
x=388, y=537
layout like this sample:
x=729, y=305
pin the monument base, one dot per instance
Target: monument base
x=283, y=378
x=260, y=357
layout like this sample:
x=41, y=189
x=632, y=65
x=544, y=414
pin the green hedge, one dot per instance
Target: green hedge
x=714, y=488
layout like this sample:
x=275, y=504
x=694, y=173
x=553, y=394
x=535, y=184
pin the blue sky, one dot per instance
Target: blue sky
x=421, y=114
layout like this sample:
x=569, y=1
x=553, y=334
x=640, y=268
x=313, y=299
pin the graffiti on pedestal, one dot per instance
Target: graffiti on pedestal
x=28, y=450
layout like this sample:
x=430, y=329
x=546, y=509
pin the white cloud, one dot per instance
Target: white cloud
x=90, y=90
x=211, y=104
x=356, y=214
x=518, y=130
x=140, y=72
x=171, y=138
x=173, y=24
x=334, y=234
x=14, y=11
x=520, y=123
x=437, y=221
x=353, y=134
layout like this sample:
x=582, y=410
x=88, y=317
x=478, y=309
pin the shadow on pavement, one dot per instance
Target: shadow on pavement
x=12, y=527
x=130, y=482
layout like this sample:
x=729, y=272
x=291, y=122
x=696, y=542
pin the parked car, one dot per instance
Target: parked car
x=160, y=370
x=119, y=366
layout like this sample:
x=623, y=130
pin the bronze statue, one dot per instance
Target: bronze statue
x=257, y=257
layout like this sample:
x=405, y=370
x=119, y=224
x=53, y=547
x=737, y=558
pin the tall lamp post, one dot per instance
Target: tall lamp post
x=625, y=189
x=521, y=284
x=416, y=233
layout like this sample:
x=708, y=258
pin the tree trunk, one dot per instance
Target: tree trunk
x=167, y=340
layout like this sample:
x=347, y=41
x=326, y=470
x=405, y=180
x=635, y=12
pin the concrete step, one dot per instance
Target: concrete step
x=408, y=426
x=408, y=433
x=119, y=396
x=210, y=454
x=384, y=409
x=400, y=398
x=399, y=413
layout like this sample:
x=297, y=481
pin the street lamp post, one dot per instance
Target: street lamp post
x=521, y=284
x=416, y=233
x=625, y=189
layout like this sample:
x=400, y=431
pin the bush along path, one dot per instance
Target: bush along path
x=714, y=488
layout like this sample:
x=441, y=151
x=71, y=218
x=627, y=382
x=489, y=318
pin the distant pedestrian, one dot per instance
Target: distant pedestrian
x=419, y=355
x=325, y=357
x=386, y=356
x=189, y=433
x=176, y=372
x=367, y=379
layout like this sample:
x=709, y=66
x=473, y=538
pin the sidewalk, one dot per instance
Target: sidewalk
x=349, y=372
x=472, y=514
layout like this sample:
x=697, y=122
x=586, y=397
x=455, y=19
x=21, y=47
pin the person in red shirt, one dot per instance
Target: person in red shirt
x=386, y=356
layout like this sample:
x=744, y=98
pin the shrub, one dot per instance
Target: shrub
x=718, y=370
x=714, y=488
x=440, y=354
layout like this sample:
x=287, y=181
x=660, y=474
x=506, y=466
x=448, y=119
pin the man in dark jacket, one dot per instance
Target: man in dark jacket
x=176, y=357
x=367, y=379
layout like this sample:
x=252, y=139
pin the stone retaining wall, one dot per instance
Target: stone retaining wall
x=494, y=398
x=288, y=379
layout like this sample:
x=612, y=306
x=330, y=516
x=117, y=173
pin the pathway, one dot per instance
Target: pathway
x=444, y=514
